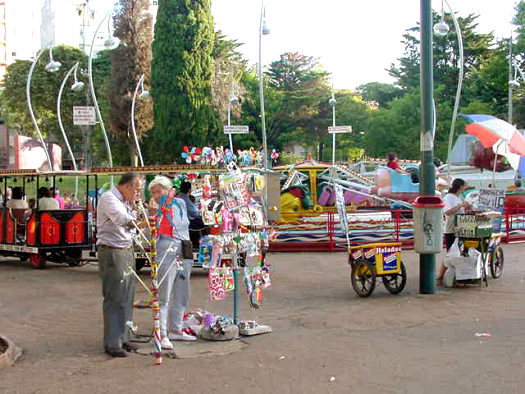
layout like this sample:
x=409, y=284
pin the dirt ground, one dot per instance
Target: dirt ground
x=325, y=339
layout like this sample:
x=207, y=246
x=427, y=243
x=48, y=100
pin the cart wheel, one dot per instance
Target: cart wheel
x=496, y=263
x=395, y=283
x=363, y=278
x=38, y=260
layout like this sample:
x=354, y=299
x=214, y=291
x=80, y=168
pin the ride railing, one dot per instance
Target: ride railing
x=514, y=225
x=323, y=232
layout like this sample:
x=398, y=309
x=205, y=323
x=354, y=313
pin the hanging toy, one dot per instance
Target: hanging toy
x=274, y=156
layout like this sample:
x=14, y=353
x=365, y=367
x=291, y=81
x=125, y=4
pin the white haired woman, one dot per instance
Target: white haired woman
x=174, y=292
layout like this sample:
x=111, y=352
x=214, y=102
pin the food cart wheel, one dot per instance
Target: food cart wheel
x=496, y=262
x=395, y=283
x=38, y=260
x=363, y=278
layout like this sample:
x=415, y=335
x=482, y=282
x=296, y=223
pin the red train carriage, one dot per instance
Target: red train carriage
x=58, y=235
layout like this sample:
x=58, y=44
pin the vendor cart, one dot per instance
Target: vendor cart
x=372, y=260
x=480, y=232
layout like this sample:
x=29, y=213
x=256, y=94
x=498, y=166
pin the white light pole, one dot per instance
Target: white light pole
x=52, y=66
x=110, y=43
x=441, y=29
x=332, y=102
x=263, y=30
x=232, y=101
x=143, y=95
x=76, y=87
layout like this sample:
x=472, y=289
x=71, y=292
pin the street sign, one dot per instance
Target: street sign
x=84, y=116
x=236, y=129
x=339, y=129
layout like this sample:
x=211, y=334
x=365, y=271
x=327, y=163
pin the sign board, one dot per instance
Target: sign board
x=492, y=199
x=236, y=129
x=339, y=129
x=84, y=116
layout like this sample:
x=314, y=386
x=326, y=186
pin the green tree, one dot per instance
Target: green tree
x=182, y=75
x=380, y=93
x=133, y=26
x=303, y=94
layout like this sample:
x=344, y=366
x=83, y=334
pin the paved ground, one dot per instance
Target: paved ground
x=390, y=344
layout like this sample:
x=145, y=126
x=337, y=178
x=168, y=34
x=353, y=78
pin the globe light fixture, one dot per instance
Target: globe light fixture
x=77, y=86
x=111, y=43
x=52, y=66
x=332, y=102
x=441, y=29
x=234, y=100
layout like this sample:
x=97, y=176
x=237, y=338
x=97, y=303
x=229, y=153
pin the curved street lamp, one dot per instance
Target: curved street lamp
x=51, y=66
x=441, y=29
x=109, y=44
x=143, y=95
x=263, y=30
x=76, y=87
x=332, y=103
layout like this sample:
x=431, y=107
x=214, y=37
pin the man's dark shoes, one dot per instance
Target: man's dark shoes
x=116, y=352
x=128, y=346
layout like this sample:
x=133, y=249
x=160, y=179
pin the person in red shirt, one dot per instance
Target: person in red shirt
x=393, y=164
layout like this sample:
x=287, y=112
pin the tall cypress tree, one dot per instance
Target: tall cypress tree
x=182, y=73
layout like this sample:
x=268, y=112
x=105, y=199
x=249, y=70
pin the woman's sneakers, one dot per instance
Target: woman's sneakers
x=166, y=344
x=181, y=337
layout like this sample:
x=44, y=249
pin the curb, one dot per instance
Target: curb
x=11, y=354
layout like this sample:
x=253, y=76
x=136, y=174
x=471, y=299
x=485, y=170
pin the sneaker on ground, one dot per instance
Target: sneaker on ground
x=181, y=337
x=166, y=344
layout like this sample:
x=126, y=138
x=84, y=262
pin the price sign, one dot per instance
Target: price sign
x=492, y=199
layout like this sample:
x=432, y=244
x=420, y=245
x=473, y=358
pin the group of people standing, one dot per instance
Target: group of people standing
x=117, y=216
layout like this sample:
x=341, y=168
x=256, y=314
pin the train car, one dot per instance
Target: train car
x=42, y=235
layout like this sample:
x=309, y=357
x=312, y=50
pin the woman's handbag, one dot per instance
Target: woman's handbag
x=187, y=249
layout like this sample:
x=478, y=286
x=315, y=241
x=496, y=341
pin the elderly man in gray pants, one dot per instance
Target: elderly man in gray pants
x=115, y=253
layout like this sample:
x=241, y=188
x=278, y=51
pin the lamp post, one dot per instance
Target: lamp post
x=109, y=43
x=263, y=30
x=441, y=29
x=332, y=102
x=232, y=101
x=427, y=262
x=510, y=81
x=52, y=66
x=143, y=95
x=76, y=87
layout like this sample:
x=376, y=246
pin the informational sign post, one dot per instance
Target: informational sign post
x=84, y=116
x=236, y=129
x=339, y=129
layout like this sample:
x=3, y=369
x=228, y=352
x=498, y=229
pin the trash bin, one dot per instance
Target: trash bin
x=428, y=224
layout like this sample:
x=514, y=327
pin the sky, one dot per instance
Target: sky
x=355, y=40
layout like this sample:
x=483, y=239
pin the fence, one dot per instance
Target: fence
x=323, y=232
